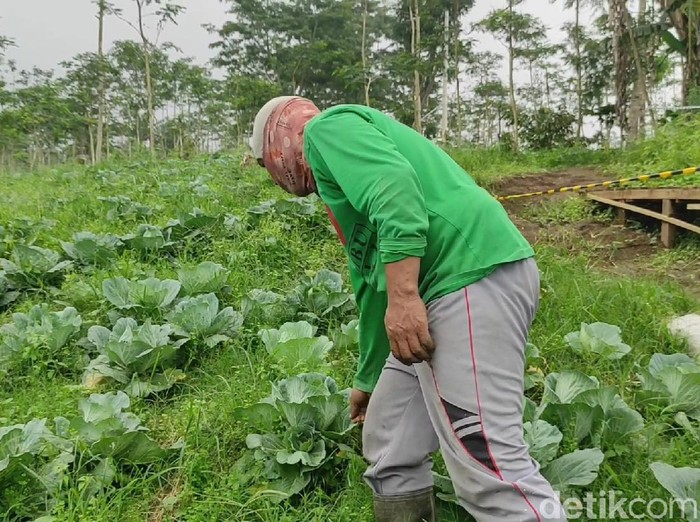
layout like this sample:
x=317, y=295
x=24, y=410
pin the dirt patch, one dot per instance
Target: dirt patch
x=540, y=181
x=623, y=250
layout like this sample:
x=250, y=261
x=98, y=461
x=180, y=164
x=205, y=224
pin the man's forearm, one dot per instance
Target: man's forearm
x=402, y=278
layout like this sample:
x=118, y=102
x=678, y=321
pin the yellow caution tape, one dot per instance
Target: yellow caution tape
x=578, y=188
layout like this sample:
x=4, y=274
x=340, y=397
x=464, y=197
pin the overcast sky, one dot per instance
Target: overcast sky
x=50, y=31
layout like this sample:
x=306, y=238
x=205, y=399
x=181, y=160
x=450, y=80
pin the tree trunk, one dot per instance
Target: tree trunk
x=149, y=87
x=365, y=71
x=640, y=95
x=138, y=131
x=457, y=32
x=579, y=71
x=101, y=83
x=444, y=122
x=688, y=30
x=618, y=27
x=106, y=141
x=415, y=52
x=92, y=144
x=511, y=78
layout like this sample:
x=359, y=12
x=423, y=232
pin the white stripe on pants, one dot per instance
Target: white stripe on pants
x=468, y=401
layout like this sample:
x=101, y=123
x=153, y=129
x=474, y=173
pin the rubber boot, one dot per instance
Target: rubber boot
x=418, y=506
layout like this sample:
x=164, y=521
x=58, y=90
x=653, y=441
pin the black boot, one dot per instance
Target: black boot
x=418, y=506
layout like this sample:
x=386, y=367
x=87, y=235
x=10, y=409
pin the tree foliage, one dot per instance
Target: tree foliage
x=145, y=95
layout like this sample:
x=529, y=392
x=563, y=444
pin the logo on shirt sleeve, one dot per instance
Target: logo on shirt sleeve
x=362, y=249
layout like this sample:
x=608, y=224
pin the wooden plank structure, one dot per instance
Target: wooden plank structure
x=672, y=201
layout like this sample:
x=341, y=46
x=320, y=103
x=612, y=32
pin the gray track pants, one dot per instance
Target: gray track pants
x=468, y=401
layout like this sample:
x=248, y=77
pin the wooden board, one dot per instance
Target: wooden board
x=681, y=194
x=646, y=212
x=693, y=206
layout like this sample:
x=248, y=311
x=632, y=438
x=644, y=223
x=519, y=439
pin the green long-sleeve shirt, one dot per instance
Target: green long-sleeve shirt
x=395, y=195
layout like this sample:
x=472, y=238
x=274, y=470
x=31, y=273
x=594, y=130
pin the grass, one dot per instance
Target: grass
x=567, y=211
x=488, y=166
x=203, y=485
x=673, y=146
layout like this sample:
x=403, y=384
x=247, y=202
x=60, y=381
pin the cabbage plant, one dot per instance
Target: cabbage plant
x=199, y=318
x=34, y=463
x=92, y=249
x=205, y=278
x=673, y=382
x=32, y=267
x=144, y=359
x=7, y=294
x=295, y=349
x=149, y=295
x=297, y=433
x=37, y=338
x=684, y=486
x=599, y=339
x=148, y=239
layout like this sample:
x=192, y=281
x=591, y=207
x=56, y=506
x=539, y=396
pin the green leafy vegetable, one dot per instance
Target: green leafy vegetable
x=122, y=207
x=322, y=295
x=543, y=440
x=300, y=207
x=578, y=468
x=31, y=267
x=143, y=358
x=576, y=402
x=148, y=294
x=147, y=239
x=37, y=337
x=674, y=381
x=270, y=306
x=191, y=226
x=205, y=278
x=7, y=295
x=348, y=335
x=564, y=387
x=600, y=339
x=33, y=464
x=683, y=484
x=199, y=318
x=533, y=363
x=295, y=349
x=109, y=431
x=91, y=249
x=299, y=431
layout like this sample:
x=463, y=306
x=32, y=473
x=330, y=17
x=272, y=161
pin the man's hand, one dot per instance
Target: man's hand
x=407, y=327
x=358, y=405
x=406, y=317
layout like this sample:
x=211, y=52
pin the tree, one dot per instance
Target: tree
x=489, y=99
x=37, y=120
x=684, y=17
x=414, y=14
x=5, y=42
x=518, y=32
x=546, y=128
x=103, y=8
x=598, y=73
x=81, y=88
x=164, y=11
x=575, y=33
x=313, y=49
x=415, y=61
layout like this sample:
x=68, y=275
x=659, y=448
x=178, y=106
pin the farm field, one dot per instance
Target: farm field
x=146, y=308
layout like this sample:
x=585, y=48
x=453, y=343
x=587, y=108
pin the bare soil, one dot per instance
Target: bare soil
x=624, y=250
